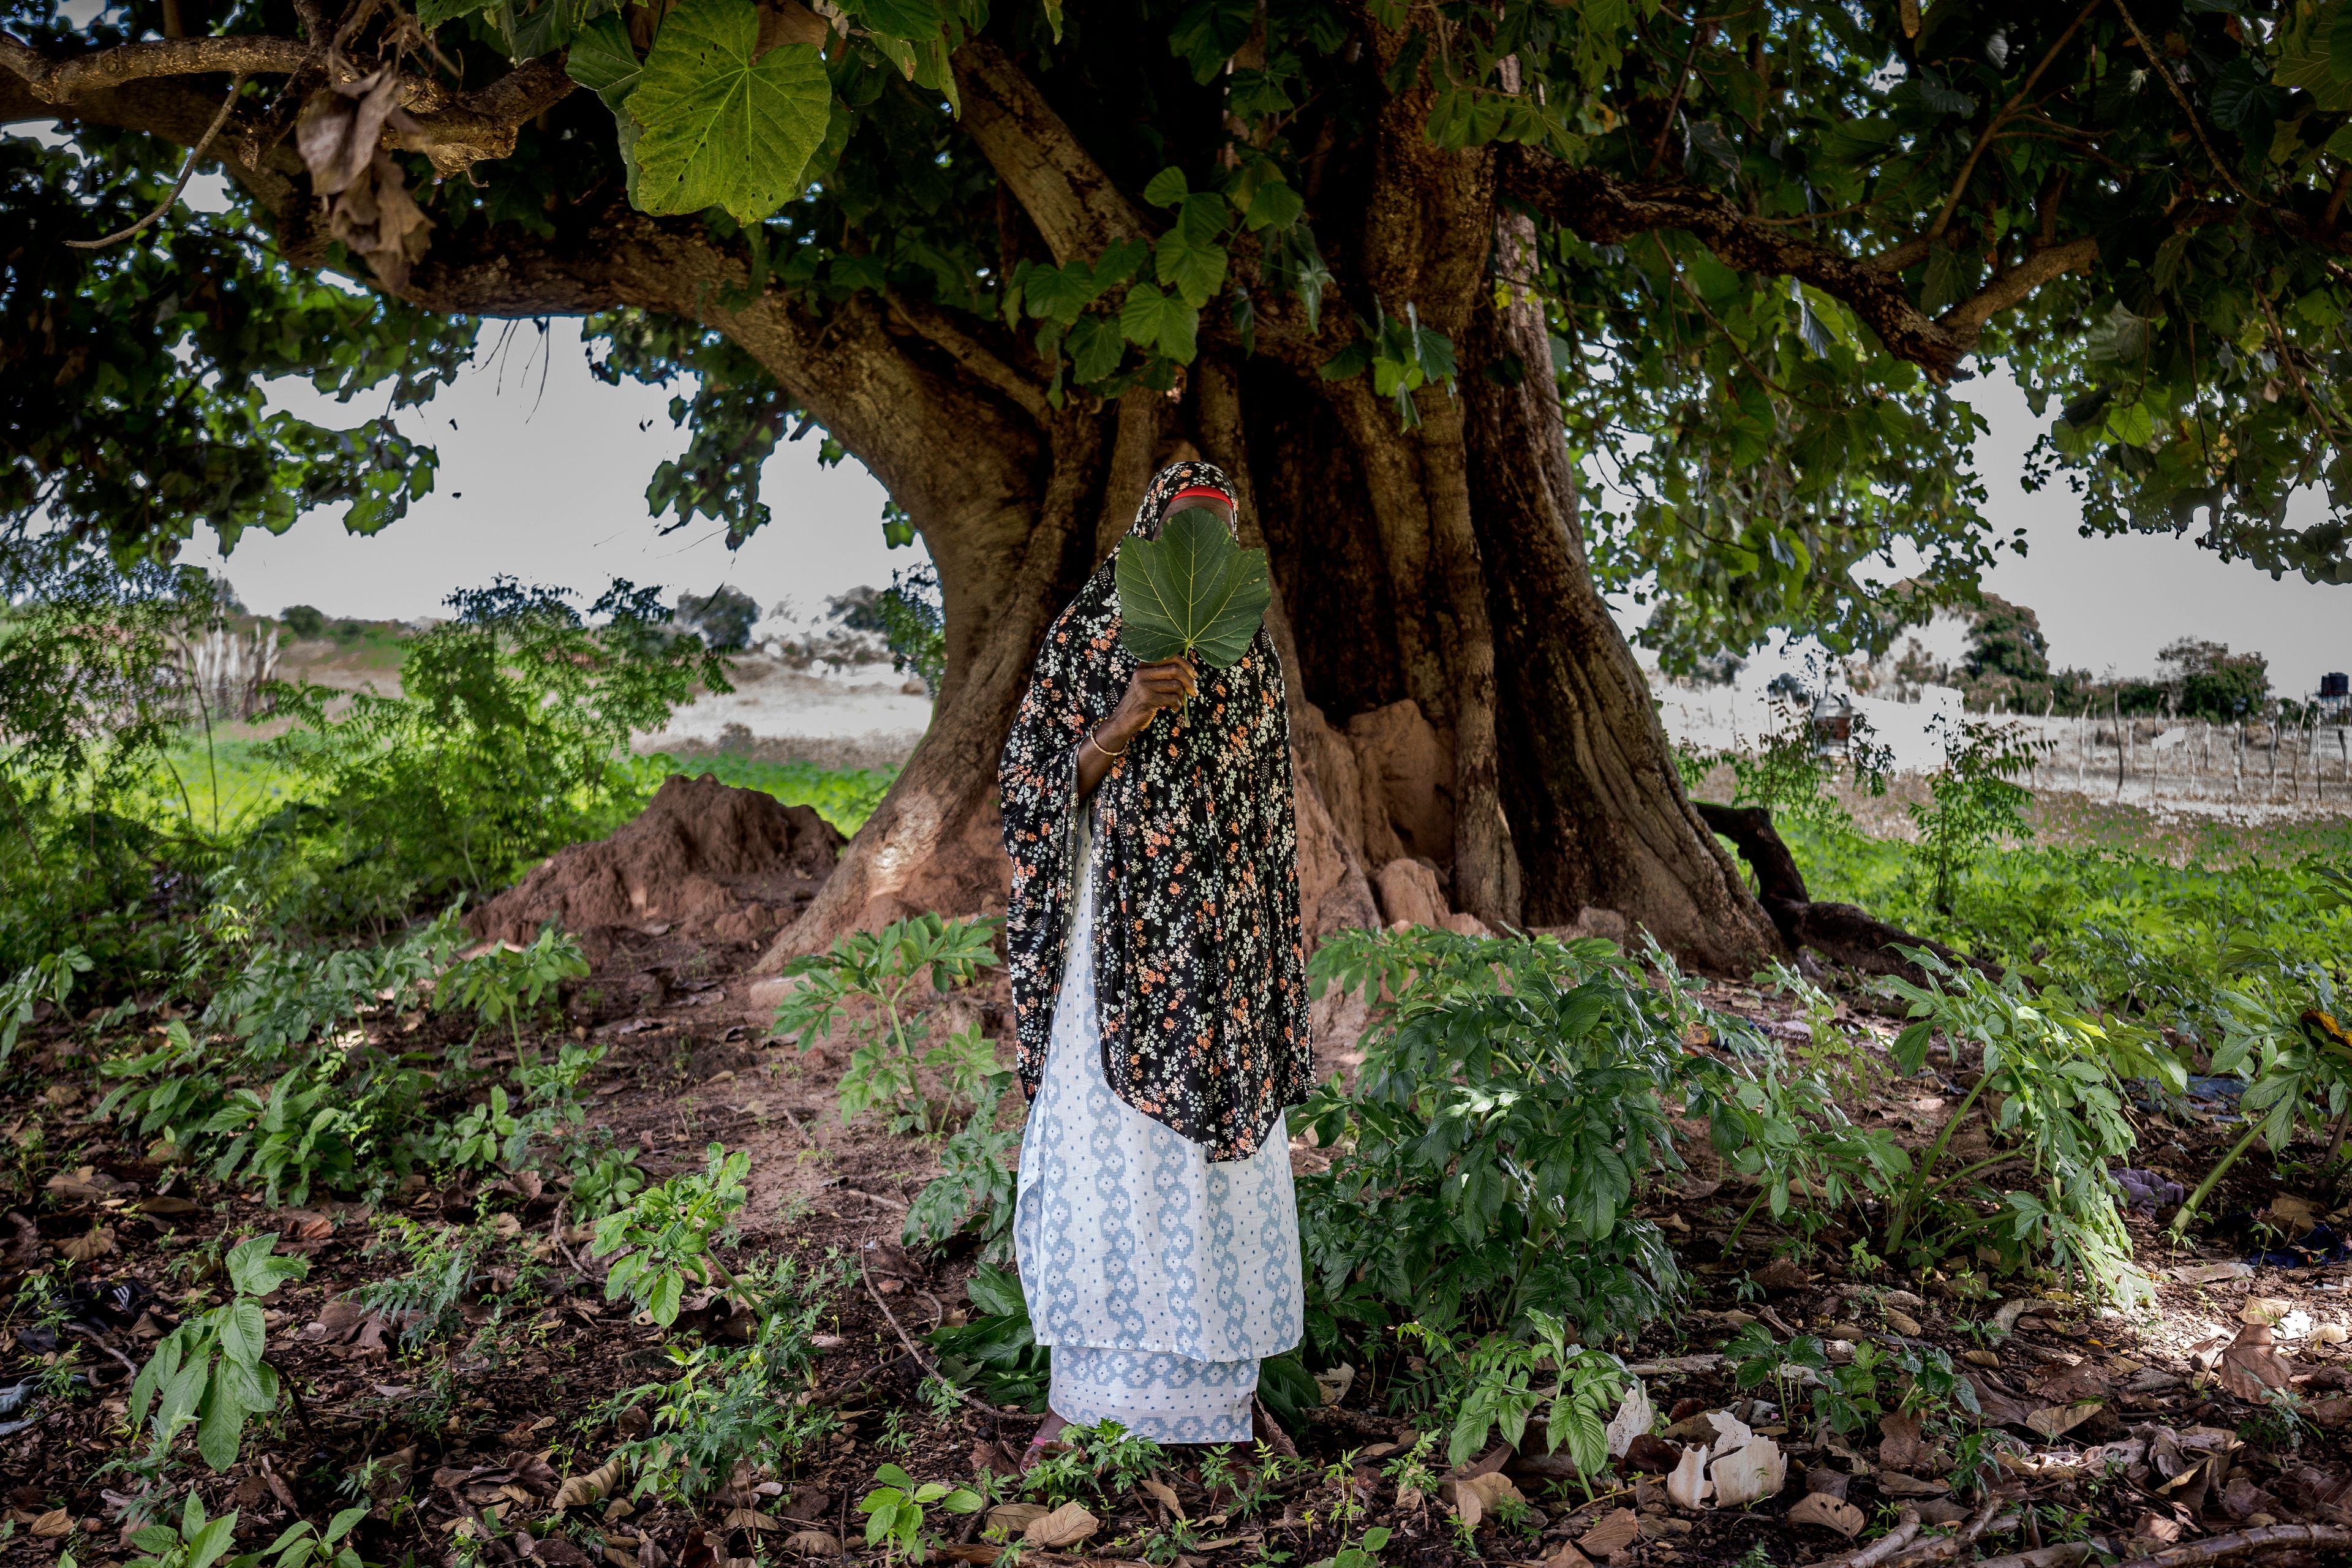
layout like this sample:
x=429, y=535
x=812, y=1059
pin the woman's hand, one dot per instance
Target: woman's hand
x=1155, y=686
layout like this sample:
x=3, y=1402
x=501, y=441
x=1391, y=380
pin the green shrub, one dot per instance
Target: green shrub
x=210, y=1371
x=2054, y=1076
x=666, y=1234
x=509, y=740
x=878, y=986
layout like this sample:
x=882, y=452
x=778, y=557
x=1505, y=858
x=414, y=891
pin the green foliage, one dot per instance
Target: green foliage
x=722, y=1405
x=894, y=1509
x=892, y=972
x=210, y=1371
x=2053, y=1078
x=442, y=1265
x=843, y=796
x=49, y=980
x=996, y=1350
x=723, y=125
x=1502, y=1383
x=302, y=1097
x=1508, y=1102
x=511, y=737
x=914, y=625
x=1792, y=773
x=666, y=1234
x=723, y=617
x=974, y=1189
x=507, y=984
x=1190, y=592
x=1973, y=802
x=197, y=1542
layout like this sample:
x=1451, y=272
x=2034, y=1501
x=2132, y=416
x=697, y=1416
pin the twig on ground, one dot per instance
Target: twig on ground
x=2066, y=1554
x=555, y=1234
x=2258, y=1542
x=92, y=1336
x=1891, y=1544
x=926, y=1363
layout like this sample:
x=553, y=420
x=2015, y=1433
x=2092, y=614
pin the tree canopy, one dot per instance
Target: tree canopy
x=1767, y=239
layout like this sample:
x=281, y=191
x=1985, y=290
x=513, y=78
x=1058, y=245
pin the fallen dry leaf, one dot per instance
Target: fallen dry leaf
x=1687, y=1483
x=168, y=1207
x=1013, y=1518
x=1756, y=1471
x=1567, y=1556
x=1475, y=1497
x=813, y=1543
x=1902, y=1323
x=1894, y=1483
x=751, y=1518
x=1066, y=1526
x=2054, y=1421
x=91, y=1244
x=1615, y=1532
x=1901, y=1446
x=2066, y=1384
x=1830, y=1513
x=578, y=1491
x=2264, y=1310
x=2252, y=1366
x=1167, y=1497
x=2212, y=1273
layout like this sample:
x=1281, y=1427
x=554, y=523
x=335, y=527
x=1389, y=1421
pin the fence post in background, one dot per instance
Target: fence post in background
x=2270, y=790
x=2238, y=761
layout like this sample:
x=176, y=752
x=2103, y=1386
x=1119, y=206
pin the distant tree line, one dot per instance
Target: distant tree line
x=2007, y=667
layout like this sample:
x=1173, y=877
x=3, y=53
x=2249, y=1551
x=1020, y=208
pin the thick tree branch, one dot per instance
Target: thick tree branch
x=119, y=87
x=1067, y=195
x=1607, y=211
x=174, y=109
x=482, y=124
x=1967, y=319
x=62, y=81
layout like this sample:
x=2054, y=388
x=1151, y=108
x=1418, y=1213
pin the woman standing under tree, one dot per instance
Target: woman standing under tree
x=1158, y=981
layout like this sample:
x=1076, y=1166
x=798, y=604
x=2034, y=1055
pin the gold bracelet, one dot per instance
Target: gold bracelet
x=1105, y=750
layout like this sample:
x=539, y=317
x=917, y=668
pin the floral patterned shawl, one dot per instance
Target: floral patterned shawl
x=1200, y=973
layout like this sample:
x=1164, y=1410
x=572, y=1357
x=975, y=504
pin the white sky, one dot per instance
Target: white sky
x=543, y=474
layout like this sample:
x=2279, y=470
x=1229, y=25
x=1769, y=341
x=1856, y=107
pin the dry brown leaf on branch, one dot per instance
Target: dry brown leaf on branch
x=2252, y=1366
x=1167, y=1497
x=340, y=136
x=1830, y=1513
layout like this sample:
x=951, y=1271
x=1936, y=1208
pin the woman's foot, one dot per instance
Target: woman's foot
x=1048, y=1436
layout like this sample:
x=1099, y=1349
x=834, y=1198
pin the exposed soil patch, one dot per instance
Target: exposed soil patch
x=710, y=862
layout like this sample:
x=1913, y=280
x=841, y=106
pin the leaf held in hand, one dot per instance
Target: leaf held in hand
x=1192, y=591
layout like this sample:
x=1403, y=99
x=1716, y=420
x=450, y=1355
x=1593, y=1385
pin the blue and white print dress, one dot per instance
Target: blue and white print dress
x=1160, y=1278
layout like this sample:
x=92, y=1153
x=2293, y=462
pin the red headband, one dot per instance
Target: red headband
x=1197, y=492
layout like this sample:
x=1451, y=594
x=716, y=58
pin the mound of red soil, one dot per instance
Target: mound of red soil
x=703, y=859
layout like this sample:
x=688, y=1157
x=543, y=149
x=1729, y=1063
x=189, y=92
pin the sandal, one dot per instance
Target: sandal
x=1038, y=1449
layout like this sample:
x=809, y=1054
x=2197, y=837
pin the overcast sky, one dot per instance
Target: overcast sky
x=543, y=471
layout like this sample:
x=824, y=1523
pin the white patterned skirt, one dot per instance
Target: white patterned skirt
x=1160, y=1279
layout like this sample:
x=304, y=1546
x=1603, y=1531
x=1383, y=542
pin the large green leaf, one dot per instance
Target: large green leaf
x=1190, y=591
x=721, y=128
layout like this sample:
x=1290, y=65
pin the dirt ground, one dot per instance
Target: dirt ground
x=2149, y=1448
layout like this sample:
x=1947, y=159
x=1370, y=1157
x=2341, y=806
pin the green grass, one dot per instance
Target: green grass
x=235, y=785
x=2136, y=921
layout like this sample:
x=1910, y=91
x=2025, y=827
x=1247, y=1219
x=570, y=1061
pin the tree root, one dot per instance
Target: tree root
x=1886, y=1547
x=2065, y=1554
x=2261, y=1541
x=1842, y=933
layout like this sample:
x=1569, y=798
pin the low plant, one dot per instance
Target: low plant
x=2053, y=1076
x=508, y=984
x=894, y=1509
x=723, y=1406
x=2299, y=1061
x=443, y=1266
x=210, y=1371
x=666, y=1234
x=875, y=984
x=995, y=1350
x=49, y=980
x=1504, y=1381
x=974, y=1189
x=1974, y=804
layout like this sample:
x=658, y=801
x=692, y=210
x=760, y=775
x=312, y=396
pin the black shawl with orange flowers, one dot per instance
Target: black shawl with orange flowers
x=1199, y=974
